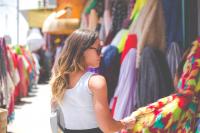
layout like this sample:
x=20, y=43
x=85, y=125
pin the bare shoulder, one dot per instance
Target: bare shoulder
x=97, y=82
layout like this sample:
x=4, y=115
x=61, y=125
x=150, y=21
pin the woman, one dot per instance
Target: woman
x=82, y=95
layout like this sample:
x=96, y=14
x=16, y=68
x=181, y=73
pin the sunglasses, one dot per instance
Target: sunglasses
x=98, y=50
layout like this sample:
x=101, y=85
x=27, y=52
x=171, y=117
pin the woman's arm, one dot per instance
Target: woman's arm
x=98, y=86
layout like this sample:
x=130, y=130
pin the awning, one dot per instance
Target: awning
x=66, y=17
x=55, y=25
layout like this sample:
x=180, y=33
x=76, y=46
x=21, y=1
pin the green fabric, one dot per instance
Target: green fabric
x=91, y=6
x=192, y=82
x=18, y=50
x=158, y=123
x=122, y=42
x=193, y=106
x=146, y=130
x=137, y=8
x=177, y=113
x=187, y=125
x=197, y=88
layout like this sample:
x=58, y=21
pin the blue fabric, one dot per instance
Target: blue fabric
x=110, y=65
x=173, y=19
x=198, y=126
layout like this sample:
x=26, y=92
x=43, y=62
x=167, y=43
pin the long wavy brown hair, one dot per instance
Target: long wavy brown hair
x=70, y=60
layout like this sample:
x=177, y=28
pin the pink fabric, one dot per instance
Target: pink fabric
x=107, y=21
x=23, y=80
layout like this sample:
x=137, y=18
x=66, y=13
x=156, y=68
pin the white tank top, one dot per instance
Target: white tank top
x=77, y=106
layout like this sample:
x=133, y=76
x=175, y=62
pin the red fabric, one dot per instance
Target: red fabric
x=23, y=80
x=198, y=39
x=114, y=105
x=131, y=42
x=17, y=93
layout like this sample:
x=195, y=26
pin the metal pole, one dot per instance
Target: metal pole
x=183, y=22
x=17, y=22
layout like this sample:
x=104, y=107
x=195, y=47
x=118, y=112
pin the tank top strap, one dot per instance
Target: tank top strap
x=85, y=80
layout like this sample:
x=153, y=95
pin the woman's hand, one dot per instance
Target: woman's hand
x=129, y=122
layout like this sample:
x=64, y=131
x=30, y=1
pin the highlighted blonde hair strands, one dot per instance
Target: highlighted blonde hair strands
x=70, y=60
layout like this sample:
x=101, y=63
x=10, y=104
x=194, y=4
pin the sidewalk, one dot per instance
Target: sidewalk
x=32, y=114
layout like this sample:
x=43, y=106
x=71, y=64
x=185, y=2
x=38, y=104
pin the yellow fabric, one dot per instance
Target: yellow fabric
x=197, y=88
x=137, y=8
x=122, y=42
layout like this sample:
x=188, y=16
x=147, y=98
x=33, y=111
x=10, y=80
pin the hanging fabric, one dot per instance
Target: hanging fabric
x=93, y=20
x=173, y=58
x=123, y=99
x=6, y=85
x=127, y=21
x=131, y=42
x=122, y=103
x=99, y=8
x=149, y=27
x=118, y=15
x=117, y=38
x=110, y=66
x=107, y=17
x=117, y=19
x=173, y=20
x=177, y=112
x=137, y=8
x=2, y=63
x=154, y=78
x=122, y=42
x=90, y=5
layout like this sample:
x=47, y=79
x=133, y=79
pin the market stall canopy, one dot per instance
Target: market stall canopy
x=36, y=18
x=65, y=19
x=54, y=25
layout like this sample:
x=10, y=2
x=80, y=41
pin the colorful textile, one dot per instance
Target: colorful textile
x=3, y=63
x=122, y=42
x=137, y=8
x=91, y=5
x=117, y=38
x=175, y=113
x=131, y=42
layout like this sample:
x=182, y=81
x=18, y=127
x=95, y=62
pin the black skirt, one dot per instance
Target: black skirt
x=94, y=130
